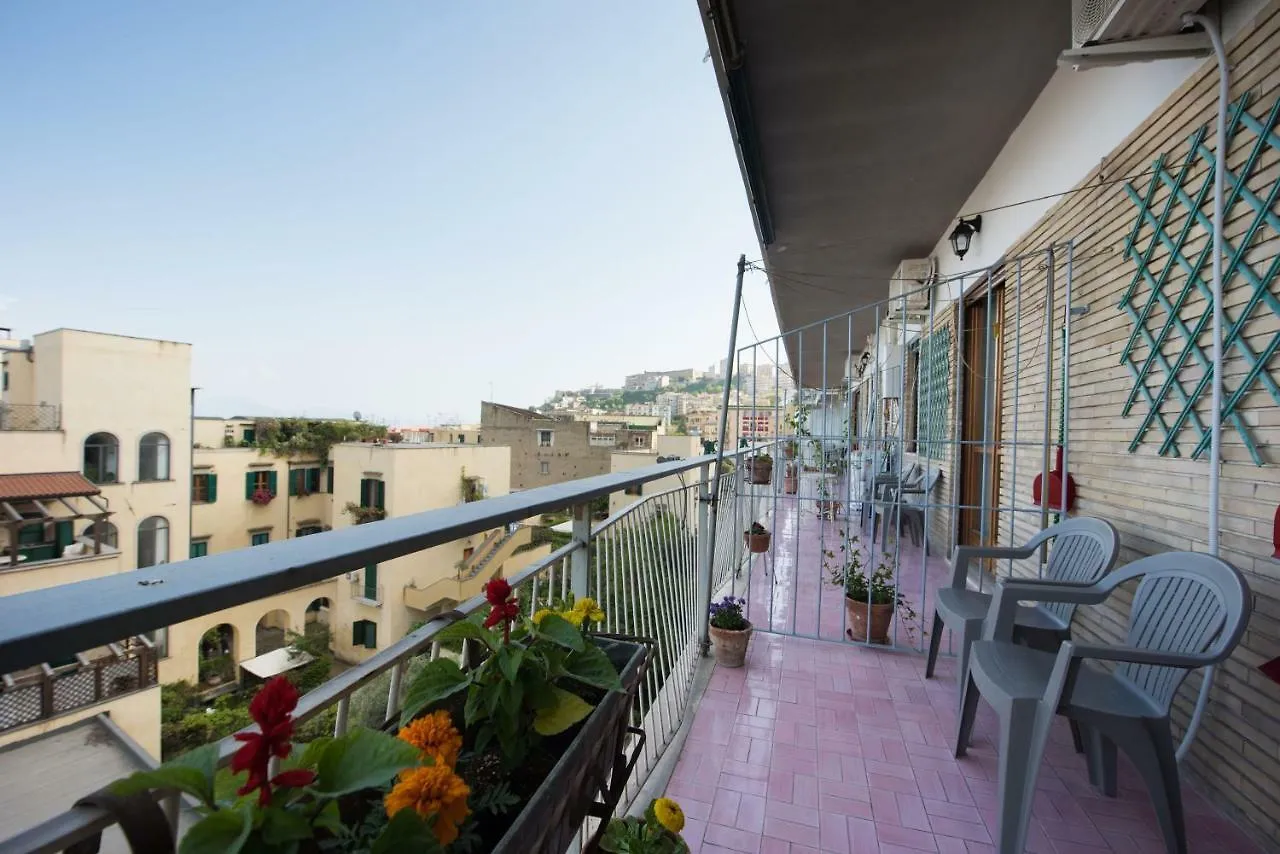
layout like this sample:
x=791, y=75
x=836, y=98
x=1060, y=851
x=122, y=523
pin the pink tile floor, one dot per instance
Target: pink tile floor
x=824, y=746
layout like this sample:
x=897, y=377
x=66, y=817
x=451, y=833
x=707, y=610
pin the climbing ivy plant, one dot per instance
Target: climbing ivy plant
x=304, y=437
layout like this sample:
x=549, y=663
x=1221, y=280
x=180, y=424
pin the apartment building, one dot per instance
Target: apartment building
x=462, y=434
x=666, y=448
x=545, y=448
x=93, y=481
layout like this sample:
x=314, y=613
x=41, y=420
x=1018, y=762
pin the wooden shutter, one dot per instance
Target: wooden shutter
x=62, y=536
x=248, y=485
x=271, y=482
x=313, y=480
x=382, y=495
x=371, y=582
x=329, y=489
x=370, y=634
x=213, y=488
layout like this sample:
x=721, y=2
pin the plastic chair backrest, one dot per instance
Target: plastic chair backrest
x=1082, y=551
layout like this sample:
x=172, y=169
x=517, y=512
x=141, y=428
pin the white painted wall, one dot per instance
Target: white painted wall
x=1079, y=118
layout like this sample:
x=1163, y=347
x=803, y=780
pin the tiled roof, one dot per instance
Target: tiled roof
x=59, y=484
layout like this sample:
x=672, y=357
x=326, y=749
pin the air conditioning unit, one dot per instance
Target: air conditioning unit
x=910, y=286
x=1102, y=21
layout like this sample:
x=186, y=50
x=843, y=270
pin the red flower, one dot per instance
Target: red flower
x=272, y=709
x=505, y=610
x=295, y=779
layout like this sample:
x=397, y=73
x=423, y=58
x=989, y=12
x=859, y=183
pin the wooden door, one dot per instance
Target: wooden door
x=981, y=416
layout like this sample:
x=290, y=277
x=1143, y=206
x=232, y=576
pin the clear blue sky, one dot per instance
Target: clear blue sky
x=377, y=206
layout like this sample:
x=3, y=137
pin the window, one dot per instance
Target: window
x=545, y=438
x=308, y=530
x=107, y=533
x=373, y=493
x=259, y=538
x=462, y=440
x=638, y=489
x=102, y=458
x=255, y=480
x=638, y=441
x=204, y=488
x=933, y=392
x=153, y=541
x=249, y=436
x=199, y=548
x=364, y=633
x=371, y=582
x=304, y=481
x=5, y=386
x=153, y=457
x=544, y=467
x=328, y=481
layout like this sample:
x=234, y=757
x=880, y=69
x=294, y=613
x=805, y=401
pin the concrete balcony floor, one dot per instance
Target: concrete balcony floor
x=823, y=746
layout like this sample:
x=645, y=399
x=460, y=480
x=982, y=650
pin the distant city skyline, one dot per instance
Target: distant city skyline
x=381, y=208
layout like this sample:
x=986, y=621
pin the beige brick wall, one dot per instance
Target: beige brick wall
x=570, y=456
x=1159, y=503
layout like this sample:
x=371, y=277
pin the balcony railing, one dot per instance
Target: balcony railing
x=647, y=566
x=365, y=592
x=30, y=416
x=46, y=692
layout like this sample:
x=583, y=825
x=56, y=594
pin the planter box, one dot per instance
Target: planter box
x=759, y=472
x=757, y=543
x=594, y=765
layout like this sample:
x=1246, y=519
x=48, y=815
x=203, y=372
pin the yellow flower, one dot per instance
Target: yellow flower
x=432, y=790
x=574, y=617
x=435, y=736
x=589, y=609
x=539, y=614
x=669, y=814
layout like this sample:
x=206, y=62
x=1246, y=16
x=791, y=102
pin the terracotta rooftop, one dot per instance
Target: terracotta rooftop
x=60, y=484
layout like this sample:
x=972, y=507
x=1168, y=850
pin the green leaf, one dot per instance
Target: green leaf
x=561, y=632
x=466, y=630
x=362, y=759
x=191, y=773
x=308, y=757
x=477, y=699
x=329, y=818
x=439, y=679
x=567, y=711
x=407, y=831
x=281, y=826
x=509, y=661
x=593, y=667
x=221, y=832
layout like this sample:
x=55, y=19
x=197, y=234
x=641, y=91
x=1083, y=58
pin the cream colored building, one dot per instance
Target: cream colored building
x=368, y=608
x=84, y=450
x=667, y=447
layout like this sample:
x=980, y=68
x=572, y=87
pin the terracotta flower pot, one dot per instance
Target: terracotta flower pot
x=756, y=543
x=760, y=472
x=791, y=484
x=730, y=647
x=789, y=452
x=881, y=618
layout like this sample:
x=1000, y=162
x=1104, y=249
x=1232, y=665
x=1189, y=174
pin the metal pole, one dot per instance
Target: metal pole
x=724, y=424
x=580, y=560
x=1215, y=421
x=1064, y=428
x=1048, y=392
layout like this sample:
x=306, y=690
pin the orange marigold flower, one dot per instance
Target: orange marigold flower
x=436, y=736
x=432, y=790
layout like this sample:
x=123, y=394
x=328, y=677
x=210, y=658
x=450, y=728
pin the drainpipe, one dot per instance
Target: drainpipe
x=1215, y=423
x=191, y=469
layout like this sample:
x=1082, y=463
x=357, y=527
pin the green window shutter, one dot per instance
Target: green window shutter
x=250, y=435
x=213, y=488
x=371, y=582
x=313, y=480
x=370, y=634
x=382, y=495
x=357, y=633
x=271, y=482
x=260, y=539
x=199, y=549
x=62, y=535
x=31, y=534
x=295, y=481
x=248, y=485
x=329, y=488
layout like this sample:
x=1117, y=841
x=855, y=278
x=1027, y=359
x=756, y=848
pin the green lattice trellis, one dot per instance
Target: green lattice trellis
x=1157, y=296
x=932, y=398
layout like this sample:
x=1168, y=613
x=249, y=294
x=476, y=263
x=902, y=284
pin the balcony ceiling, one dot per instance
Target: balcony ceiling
x=862, y=128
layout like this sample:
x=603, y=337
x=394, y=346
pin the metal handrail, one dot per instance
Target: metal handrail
x=58, y=622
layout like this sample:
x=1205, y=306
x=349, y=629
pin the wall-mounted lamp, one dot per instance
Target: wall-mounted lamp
x=963, y=234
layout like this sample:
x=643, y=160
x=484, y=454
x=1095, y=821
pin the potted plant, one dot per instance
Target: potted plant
x=730, y=631
x=756, y=538
x=658, y=832
x=760, y=468
x=828, y=507
x=262, y=496
x=790, y=480
x=789, y=449
x=869, y=602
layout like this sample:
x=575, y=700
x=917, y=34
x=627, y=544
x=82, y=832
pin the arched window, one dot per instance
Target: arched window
x=153, y=457
x=102, y=458
x=153, y=541
x=106, y=531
